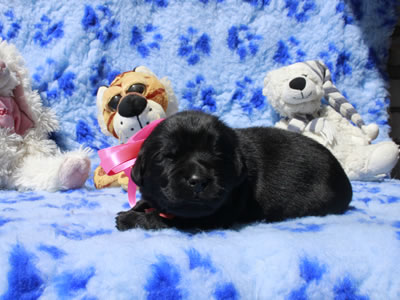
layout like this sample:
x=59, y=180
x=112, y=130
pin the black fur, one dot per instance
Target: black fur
x=208, y=175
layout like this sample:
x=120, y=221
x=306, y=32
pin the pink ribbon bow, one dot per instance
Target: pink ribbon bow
x=123, y=157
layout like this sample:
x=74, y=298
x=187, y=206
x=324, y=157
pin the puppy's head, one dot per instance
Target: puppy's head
x=133, y=100
x=189, y=165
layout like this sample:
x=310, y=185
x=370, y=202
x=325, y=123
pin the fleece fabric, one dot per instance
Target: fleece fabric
x=216, y=53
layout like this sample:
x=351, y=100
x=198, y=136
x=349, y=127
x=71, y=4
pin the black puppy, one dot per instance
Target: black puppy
x=205, y=175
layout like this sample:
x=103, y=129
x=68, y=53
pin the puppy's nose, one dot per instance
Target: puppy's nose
x=197, y=183
x=298, y=83
x=132, y=105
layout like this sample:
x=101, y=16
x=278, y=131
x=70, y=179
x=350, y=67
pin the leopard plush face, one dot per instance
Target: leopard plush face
x=133, y=100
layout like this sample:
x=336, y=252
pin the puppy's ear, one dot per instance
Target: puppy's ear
x=240, y=167
x=137, y=170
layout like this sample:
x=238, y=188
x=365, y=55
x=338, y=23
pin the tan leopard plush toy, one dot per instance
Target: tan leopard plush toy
x=133, y=100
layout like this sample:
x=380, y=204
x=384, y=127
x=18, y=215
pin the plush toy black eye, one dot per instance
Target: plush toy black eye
x=137, y=88
x=113, y=103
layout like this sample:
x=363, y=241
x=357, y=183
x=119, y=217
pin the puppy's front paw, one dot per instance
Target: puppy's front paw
x=132, y=219
x=125, y=220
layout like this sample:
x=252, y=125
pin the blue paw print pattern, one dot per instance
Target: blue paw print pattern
x=397, y=226
x=194, y=45
x=4, y=220
x=341, y=8
x=258, y=3
x=88, y=134
x=288, y=52
x=351, y=11
x=243, y=41
x=25, y=281
x=146, y=39
x=101, y=23
x=348, y=288
x=338, y=61
x=46, y=31
x=71, y=283
x=53, y=81
x=301, y=10
x=301, y=227
x=373, y=59
x=10, y=26
x=77, y=231
x=197, y=260
x=53, y=251
x=198, y=95
x=226, y=291
x=248, y=96
x=25, y=197
x=158, y=3
x=311, y=271
x=102, y=73
x=208, y=1
x=165, y=280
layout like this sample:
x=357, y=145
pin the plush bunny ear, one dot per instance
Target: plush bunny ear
x=99, y=104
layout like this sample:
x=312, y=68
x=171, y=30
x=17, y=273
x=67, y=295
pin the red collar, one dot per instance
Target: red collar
x=166, y=216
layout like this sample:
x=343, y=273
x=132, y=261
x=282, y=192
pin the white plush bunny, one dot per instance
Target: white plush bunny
x=29, y=160
x=296, y=91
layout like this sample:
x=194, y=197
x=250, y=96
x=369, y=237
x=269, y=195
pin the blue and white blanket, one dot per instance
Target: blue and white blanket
x=215, y=52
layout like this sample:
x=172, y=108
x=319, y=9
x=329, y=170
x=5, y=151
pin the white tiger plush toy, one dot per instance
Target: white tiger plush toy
x=29, y=160
x=296, y=91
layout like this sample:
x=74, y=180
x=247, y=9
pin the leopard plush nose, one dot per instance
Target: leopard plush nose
x=132, y=106
x=298, y=83
x=197, y=183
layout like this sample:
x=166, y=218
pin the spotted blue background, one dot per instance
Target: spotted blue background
x=216, y=53
x=65, y=246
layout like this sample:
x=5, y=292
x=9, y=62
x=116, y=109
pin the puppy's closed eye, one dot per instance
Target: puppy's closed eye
x=172, y=156
x=158, y=157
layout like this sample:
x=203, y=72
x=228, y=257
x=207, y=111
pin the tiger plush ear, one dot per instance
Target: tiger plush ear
x=143, y=69
x=173, y=104
x=99, y=104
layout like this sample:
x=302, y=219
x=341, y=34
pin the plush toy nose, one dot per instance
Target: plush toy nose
x=197, y=183
x=132, y=106
x=299, y=83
